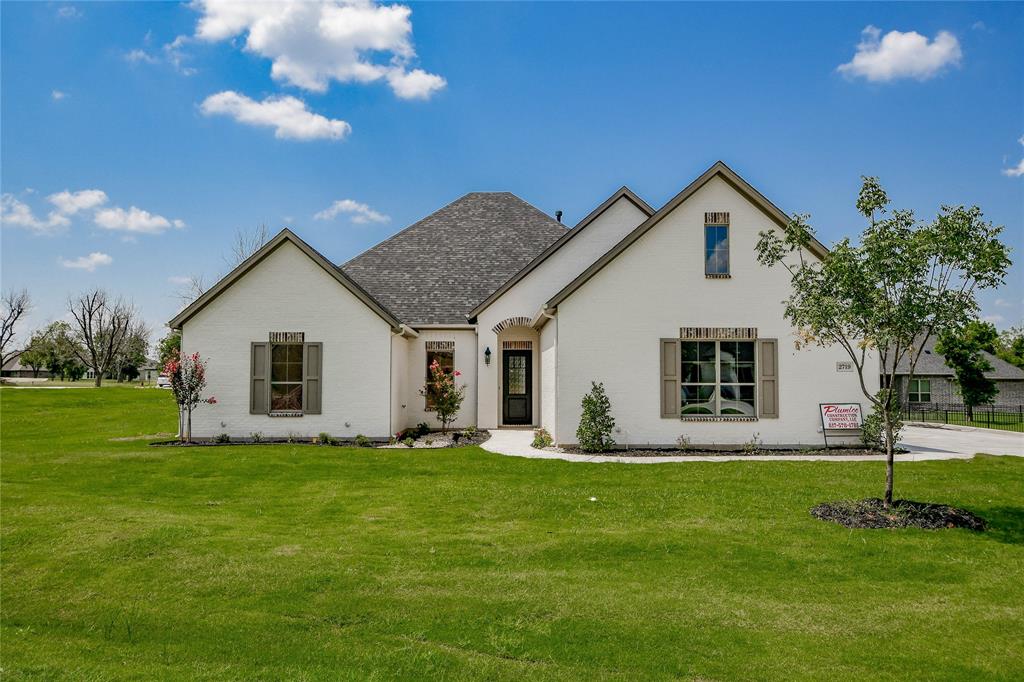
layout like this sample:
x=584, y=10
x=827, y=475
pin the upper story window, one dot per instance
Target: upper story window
x=716, y=244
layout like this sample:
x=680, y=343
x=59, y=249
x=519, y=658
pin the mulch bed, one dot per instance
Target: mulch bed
x=871, y=513
x=640, y=452
x=479, y=437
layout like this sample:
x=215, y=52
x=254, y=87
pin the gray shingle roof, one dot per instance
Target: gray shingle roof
x=932, y=363
x=436, y=270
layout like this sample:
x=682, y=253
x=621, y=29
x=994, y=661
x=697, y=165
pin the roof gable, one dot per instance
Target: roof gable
x=622, y=193
x=437, y=269
x=719, y=169
x=282, y=237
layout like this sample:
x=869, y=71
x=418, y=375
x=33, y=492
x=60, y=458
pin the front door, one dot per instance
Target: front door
x=517, y=387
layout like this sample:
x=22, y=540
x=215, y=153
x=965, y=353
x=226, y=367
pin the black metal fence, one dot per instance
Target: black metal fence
x=1005, y=417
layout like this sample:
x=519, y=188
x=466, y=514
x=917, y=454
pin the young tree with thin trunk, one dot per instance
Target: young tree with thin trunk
x=13, y=306
x=188, y=381
x=903, y=282
x=101, y=329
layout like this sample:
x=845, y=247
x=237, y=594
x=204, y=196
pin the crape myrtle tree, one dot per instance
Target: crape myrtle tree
x=445, y=395
x=903, y=282
x=187, y=374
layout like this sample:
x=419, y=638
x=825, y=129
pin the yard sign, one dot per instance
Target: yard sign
x=839, y=417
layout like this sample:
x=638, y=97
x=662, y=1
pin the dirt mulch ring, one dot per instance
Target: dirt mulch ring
x=640, y=452
x=478, y=437
x=871, y=513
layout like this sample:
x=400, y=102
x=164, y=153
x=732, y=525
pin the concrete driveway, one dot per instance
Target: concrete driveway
x=961, y=440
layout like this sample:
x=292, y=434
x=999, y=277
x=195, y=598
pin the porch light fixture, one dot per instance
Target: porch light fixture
x=487, y=356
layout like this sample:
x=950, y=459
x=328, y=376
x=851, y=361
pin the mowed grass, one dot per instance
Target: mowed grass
x=125, y=561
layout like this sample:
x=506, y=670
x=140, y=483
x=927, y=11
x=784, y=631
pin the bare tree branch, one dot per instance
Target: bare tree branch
x=101, y=327
x=13, y=306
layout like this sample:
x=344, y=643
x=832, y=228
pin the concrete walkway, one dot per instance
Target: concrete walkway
x=924, y=443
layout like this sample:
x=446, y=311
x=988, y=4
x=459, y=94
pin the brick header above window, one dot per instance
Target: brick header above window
x=717, y=333
x=287, y=337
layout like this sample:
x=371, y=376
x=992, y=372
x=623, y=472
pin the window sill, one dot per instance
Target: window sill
x=285, y=414
x=708, y=275
x=723, y=418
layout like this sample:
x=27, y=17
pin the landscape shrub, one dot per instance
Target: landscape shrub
x=362, y=441
x=324, y=439
x=596, y=423
x=256, y=436
x=408, y=442
x=541, y=439
x=222, y=438
x=872, y=430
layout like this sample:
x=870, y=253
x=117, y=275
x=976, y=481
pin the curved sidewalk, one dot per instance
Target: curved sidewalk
x=924, y=443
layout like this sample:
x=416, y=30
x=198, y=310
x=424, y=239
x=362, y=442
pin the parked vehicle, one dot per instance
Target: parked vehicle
x=163, y=381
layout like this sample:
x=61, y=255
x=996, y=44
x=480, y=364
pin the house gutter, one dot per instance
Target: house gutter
x=542, y=317
x=405, y=331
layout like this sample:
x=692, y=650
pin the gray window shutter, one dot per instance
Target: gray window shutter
x=768, y=377
x=312, y=368
x=668, y=387
x=259, y=379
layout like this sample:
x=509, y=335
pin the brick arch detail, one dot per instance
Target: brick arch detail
x=511, y=322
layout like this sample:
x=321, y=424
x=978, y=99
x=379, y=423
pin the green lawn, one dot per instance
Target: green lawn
x=120, y=560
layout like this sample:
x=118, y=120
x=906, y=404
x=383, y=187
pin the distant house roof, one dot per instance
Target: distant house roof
x=436, y=270
x=933, y=363
x=14, y=364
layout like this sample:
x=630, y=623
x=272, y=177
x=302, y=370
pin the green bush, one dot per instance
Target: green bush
x=596, y=423
x=256, y=436
x=363, y=442
x=324, y=439
x=541, y=439
x=222, y=438
x=408, y=442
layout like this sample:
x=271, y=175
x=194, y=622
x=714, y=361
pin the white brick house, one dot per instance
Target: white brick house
x=668, y=308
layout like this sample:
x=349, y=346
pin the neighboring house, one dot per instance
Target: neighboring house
x=935, y=382
x=668, y=308
x=15, y=370
x=150, y=371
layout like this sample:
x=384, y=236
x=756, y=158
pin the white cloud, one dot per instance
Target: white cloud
x=360, y=214
x=70, y=203
x=136, y=56
x=902, y=55
x=88, y=263
x=288, y=116
x=1018, y=170
x=134, y=221
x=58, y=95
x=18, y=214
x=179, y=279
x=312, y=43
x=68, y=12
x=994, y=319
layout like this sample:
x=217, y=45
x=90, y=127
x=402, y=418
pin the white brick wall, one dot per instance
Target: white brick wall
x=608, y=331
x=289, y=292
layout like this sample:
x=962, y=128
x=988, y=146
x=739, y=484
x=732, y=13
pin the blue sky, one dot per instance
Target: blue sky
x=241, y=122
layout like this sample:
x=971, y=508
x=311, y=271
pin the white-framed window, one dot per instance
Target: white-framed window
x=718, y=378
x=286, y=377
x=920, y=391
x=716, y=244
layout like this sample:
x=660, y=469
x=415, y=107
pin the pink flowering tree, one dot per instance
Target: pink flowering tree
x=188, y=381
x=444, y=394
